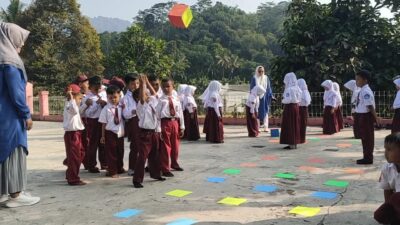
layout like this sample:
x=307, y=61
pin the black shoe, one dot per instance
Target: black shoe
x=94, y=170
x=168, y=174
x=137, y=185
x=364, y=162
x=146, y=169
x=178, y=169
x=287, y=147
x=159, y=178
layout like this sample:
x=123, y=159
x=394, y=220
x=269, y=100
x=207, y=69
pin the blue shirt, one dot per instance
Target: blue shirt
x=13, y=111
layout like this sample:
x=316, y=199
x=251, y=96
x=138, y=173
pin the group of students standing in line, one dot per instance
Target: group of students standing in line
x=151, y=114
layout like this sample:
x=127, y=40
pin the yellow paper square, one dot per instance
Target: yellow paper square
x=178, y=193
x=305, y=211
x=233, y=201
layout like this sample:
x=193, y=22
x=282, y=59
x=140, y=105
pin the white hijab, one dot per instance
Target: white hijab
x=397, y=82
x=330, y=92
x=213, y=91
x=336, y=88
x=305, y=93
x=351, y=85
x=188, y=96
x=12, y=37
x=262, y=79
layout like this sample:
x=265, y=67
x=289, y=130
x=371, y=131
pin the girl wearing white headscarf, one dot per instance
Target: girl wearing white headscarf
x=305, y=101
x=338, y=110
x=190, y=114
x=181, y=92
x=290, y=129
x=260, y=78
x=15, y=118
x=396, y=107
x=213, y=126
x=330, y=124
x=352, y=86
x=252, y=105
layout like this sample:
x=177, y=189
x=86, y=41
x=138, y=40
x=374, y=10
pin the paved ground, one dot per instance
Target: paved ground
x=258, y=159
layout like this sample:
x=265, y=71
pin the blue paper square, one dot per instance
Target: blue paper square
x=182, y=221
x=265, y=188
x=127, y=213
x=216, y=179
x=324, y=195
x=274, y=132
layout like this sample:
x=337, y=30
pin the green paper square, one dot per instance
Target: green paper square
x=337, y=183
x=314, y=139
x=232, y=171
x=285, y=175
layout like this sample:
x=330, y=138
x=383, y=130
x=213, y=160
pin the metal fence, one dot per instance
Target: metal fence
x=234, y=105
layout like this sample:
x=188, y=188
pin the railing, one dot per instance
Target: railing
x=234, y=105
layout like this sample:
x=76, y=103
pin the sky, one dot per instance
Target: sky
x=127, y=9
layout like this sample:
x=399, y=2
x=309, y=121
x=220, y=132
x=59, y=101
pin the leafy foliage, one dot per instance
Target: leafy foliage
x=61, y=45
x=13, y=11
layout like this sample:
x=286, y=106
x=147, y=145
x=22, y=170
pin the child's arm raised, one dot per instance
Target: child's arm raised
x=142, y=89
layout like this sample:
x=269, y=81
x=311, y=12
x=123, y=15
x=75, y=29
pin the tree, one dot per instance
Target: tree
x=137, y=51
x=335, y=40
x=61, y=45
x=13, y=11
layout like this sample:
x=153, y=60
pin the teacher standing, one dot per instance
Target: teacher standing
x=15, y=118
x=260, y=78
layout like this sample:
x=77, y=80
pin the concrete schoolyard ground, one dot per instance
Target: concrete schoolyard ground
x=253, y=164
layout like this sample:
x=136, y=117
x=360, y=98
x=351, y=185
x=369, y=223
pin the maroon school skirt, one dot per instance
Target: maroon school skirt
x=303, y=123
x=396, y=121
x=330, y=124
x=339, y=117
x=192, y=132
x=252, y=123
x=290, y=129
x=215, y=127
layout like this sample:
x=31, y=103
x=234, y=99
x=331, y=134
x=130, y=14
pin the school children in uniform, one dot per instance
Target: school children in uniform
x=192, y=132
x=396, y=107
x=214, y=127
x=290, y=128
x=305, y=101
x=351, y=86
x=338, y=110
x=92, y=104
x=169, y=110
x=116, y=81
x=73, y=127
x=330, y=124
x=129, y=112
x=252, y=105
x=112, y=132
x=150, y=130
x=365, y=109
x=389, y=181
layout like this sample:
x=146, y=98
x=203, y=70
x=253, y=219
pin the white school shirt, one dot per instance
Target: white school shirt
x=253, y=102
x=164, y=112
x=107, y=116
x=365, y=98
x=396, y=103
x=390, y=178
x=214, y=101
x=147, y=114
x=331, y=99
x=189, y=103
x=305, y=99
x=94, y=110
x=72, y=119
x=291, y=95
x=130, y=105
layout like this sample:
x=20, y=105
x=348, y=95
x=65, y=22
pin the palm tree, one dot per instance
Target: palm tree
x=224, y=61
x=235, y=63
x=12, y=12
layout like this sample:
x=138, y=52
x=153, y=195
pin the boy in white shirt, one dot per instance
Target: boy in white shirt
x=92, y=104
x=129, y=102
x=389, y=181
x=149, y=126
x=113, y=132
x=169, y=110
x=365, y=109
x=73, y=127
